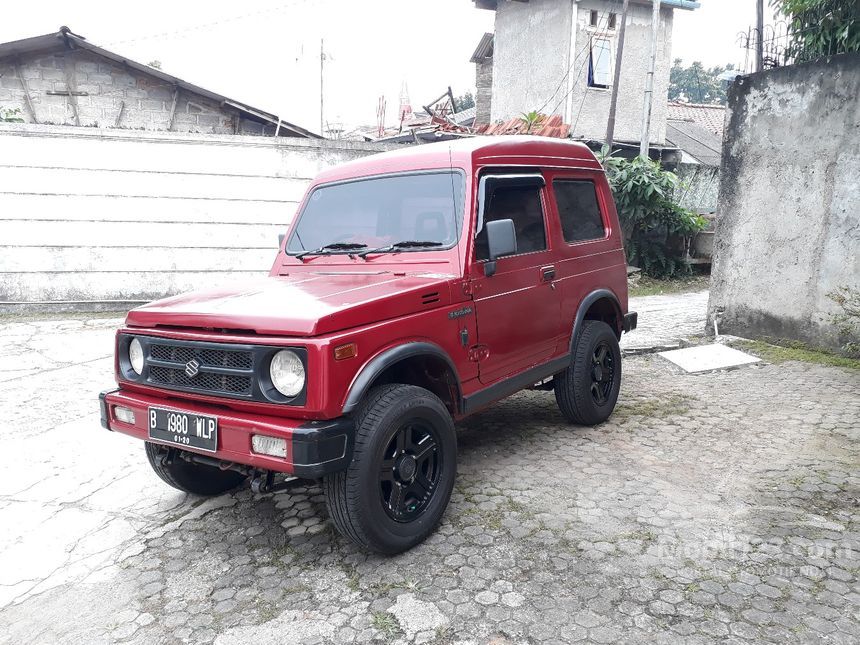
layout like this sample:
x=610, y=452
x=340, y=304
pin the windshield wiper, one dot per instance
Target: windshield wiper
x=335, y=246
x=399, y=246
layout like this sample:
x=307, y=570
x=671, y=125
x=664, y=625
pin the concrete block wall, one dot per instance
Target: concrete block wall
x=483, y=90
x=145, y=100
x=91, y=216
x=789, y=226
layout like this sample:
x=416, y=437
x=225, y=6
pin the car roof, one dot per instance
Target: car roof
x=468, y=153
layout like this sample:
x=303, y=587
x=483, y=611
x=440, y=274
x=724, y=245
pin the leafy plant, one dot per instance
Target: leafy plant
x=821, y=28
x=10, y=115
x=464, y=102
x=848, y=320
x=649, y=214
x=531, y=120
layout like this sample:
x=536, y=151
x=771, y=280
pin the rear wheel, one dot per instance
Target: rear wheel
x=586, y=392
x=196, y=479
x=396, y=489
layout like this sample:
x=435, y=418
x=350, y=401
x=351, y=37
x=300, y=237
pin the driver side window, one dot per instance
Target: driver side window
x=522, y=204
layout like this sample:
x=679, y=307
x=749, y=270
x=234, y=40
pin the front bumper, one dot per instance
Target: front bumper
x=314, y=448
x=630, y=320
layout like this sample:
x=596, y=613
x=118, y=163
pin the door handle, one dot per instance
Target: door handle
x=547, y=273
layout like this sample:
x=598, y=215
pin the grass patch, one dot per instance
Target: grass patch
x=795, y=351
x=647, y=286
x=653, y=408
x=386, y=624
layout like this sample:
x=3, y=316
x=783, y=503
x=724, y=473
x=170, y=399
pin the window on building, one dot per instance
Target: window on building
x=523, y=206
x=578, y=210
x=593, y=18
x=612, y=20
x=600, y=63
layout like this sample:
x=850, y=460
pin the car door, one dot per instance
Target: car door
x=517, y=306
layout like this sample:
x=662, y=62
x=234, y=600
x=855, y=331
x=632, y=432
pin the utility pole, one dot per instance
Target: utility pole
x=649, y=82
x=759, y=41
x=322, y=63
x=619, y=54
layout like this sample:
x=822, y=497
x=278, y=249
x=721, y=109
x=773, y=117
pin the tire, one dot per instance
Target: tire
x=397, y=487
x=196, y=479
x=586, y=392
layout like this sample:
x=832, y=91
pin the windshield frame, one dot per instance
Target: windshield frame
x=459, y=209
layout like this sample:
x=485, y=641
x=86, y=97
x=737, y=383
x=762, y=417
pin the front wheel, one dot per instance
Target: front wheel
x=586, y=392
x=196, y=479
x=396, y=489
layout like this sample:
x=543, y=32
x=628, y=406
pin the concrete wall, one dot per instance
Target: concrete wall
x=789, y=227
x=97, y=215
x=535, y=43
x=147, y=100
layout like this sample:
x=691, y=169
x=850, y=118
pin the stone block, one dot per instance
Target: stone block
x=87, y=67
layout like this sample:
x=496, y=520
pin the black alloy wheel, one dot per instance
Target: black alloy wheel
x=602, y=373
x=410, y=471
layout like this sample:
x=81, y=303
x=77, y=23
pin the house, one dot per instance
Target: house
x=63, y=79
x=558, y=57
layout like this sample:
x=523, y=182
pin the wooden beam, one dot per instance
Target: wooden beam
x=237, y=124
x=65, y=93
x=70, y=88
x=173, y=108
x=27, y=98
x=119, y=114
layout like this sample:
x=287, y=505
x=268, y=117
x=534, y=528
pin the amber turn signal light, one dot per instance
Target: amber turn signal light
x=342, y=352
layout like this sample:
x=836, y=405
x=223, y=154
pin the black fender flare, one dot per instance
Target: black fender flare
x=381, y=362
x=589, y=300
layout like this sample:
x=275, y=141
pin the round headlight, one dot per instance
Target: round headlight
x=287, y=372
x=135, y=355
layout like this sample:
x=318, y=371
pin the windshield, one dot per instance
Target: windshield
x=375, y=213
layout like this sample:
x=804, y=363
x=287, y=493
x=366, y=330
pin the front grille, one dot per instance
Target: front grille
x=204, y=381
x=206, y=357
x=220, y=371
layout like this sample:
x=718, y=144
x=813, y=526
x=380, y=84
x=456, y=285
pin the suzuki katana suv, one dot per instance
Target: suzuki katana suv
x=413, y=289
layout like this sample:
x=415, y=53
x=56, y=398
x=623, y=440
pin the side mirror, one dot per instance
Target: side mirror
x=281, y=237
x=501, y=240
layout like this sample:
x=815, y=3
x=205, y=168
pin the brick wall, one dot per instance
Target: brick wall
x=145, y=100
x=483, y=90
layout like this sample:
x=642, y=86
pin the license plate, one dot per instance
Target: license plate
x=184, y=429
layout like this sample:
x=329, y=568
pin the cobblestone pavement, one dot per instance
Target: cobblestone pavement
x=665, y=320
x=723, y=507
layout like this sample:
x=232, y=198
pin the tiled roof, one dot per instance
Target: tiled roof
x=709, y=117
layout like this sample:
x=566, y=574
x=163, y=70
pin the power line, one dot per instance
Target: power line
x=208, y=25
x=573, y=62
x=584, y=61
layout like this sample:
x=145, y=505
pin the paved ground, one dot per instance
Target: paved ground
x=664, y=320
x=723, y=507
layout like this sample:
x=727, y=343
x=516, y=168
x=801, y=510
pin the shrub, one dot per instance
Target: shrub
x=649, y=215
x=821, y=28
x=10, y=115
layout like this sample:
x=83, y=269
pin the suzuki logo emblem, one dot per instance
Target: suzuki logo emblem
x=192, y=368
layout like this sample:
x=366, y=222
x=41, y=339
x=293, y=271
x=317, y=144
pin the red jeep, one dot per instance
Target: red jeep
x=414, y=288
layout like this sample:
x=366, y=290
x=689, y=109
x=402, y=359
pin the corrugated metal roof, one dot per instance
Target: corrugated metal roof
x=65, y=39
x=687, y=5
x=484, y=49
x=696, y=141
x=710, y=117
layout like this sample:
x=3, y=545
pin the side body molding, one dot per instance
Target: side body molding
x=589, y=300
x=386, y=359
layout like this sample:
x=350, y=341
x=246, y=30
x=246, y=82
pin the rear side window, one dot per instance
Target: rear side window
x=578, y=210
x=523, y=206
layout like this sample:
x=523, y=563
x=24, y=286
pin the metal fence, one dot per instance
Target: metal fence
x=782, y=45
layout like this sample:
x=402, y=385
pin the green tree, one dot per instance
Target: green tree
x=821, y=27
x=464, y=102
x=696, y=83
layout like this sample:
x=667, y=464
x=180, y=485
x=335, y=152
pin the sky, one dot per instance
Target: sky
x=267, y=53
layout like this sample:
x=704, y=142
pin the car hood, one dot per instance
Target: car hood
x=306, y=304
